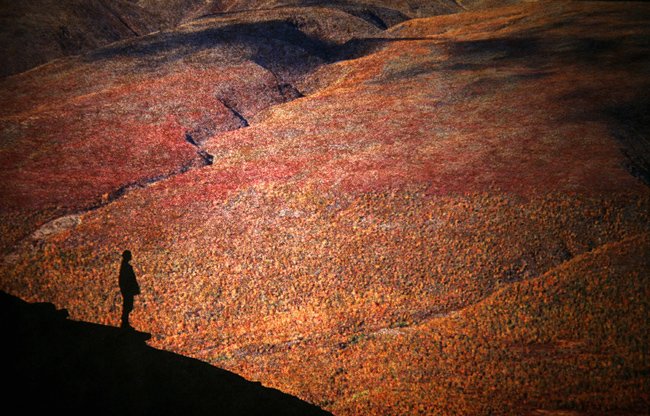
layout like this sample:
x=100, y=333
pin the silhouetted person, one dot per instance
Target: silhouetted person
x=129, y=288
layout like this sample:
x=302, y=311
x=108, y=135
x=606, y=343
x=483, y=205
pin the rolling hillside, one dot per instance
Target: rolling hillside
x=435, y=215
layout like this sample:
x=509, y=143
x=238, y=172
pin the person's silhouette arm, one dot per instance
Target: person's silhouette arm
x=135, y=287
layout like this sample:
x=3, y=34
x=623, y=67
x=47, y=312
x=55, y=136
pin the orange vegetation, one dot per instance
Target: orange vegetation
x=453, y=222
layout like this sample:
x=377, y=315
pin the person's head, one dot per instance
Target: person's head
x=126, y=256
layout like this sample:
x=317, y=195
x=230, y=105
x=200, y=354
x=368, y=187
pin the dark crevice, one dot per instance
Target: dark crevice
x=190, y=139
x=118, y=17
x=196, y=137
x=203, y=159
x=237, y=114
x=369, y=17
x=630, y=125
x=207, y=157
x=289, y=92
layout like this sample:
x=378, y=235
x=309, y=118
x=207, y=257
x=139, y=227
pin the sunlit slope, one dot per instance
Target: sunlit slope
x=79, y=132
x=573, y=339
x=454, y=222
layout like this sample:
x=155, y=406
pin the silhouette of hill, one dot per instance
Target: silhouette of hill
x=54, y=364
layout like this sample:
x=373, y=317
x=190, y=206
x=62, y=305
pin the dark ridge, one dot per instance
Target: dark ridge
x=68, y=42
x=259, y=36
x=537, y=53
x=490, y=84
x=30, y=35
x=219, y=13
x=301, y=52
x=372, y=18
x=56, y=365
x=540, y=53
x=369, y=17
x=381, y=17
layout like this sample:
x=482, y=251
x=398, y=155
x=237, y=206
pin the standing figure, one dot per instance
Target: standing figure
x=129, y=288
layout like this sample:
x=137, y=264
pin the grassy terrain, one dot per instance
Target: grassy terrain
x=452, y=220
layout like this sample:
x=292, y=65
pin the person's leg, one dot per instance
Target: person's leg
x=127, y=307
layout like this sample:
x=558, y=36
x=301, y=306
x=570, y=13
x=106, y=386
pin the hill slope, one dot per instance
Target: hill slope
x=34, y=32
x=54, y=364
x=449, y=216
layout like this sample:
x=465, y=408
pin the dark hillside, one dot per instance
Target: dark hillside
x=57, y=365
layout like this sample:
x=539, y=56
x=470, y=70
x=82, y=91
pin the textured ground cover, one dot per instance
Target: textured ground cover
x=80, y=132
x=453, y=222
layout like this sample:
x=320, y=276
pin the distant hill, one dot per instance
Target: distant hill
x=33, y=32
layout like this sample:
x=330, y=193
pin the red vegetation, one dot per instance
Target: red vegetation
x=453, y=222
